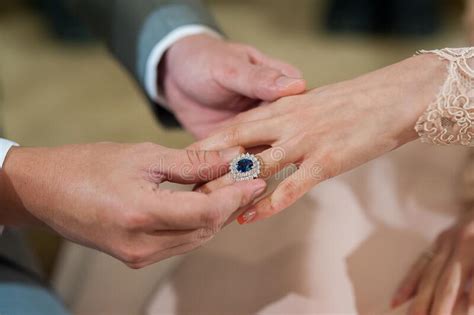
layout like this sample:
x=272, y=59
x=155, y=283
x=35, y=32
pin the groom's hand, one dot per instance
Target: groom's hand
x=208, y=80
x=108, y=196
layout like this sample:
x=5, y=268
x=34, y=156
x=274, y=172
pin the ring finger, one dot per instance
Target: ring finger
x=426, y=289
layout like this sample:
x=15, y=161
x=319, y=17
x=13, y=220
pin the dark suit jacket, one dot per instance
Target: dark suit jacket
x=132, y=28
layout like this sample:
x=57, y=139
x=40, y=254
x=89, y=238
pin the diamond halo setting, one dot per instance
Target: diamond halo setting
x=246, y=166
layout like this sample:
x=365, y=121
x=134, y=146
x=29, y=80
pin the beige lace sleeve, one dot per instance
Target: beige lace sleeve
x=450, y=118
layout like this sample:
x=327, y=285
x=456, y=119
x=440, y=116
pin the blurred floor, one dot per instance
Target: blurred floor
x=57, y=93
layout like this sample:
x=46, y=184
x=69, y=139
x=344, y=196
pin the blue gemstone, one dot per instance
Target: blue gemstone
x=244, y=165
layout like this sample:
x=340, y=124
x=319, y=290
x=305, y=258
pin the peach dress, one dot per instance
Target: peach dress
x=342, y=249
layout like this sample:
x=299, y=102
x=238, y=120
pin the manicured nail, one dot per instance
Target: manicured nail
x=470, y=310
x=247, y=217
x=285, y=82
x=230, y=153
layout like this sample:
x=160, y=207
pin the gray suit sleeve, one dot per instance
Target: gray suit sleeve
x=132, y=28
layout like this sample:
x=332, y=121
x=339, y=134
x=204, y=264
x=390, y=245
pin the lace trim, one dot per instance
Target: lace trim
x=449, y=119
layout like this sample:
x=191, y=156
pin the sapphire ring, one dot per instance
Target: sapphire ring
x=246, y=167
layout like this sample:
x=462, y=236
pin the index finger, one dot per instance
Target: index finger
x=246, y=134
x=193, y=210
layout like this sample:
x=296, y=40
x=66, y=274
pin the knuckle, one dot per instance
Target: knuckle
x=132, y=256
x=133, y=220
x=332, y=167
x=291, y=191
x=205, y=234
x=230, y=71
x=211, y=157
x=232, y=136
x=136, y=266
x=212, y=219
x=315, y=172
x=244, y=198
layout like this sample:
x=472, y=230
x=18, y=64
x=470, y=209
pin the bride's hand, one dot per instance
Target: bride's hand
x=332, y=129
x=439, y=279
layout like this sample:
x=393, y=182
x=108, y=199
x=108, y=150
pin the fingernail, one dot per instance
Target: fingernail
x=230, y=153
x=247, y=216
x=470, y=310
x=285, y=82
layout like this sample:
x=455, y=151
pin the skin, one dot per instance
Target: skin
x=208, y=81
x=469, y=20
x=331, y=130
x=439, y=284
x=108, y=196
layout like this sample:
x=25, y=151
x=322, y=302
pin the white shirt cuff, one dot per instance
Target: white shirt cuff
x=151, y=72
x=5, y=146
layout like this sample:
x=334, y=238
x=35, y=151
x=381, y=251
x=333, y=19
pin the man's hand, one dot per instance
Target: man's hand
x=207, y=80
x=108, y=196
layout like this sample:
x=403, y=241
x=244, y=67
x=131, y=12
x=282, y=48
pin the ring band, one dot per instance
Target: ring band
x=246, y=166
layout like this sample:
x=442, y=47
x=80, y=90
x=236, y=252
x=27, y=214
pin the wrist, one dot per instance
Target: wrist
x=424, y=79
x=15, y=176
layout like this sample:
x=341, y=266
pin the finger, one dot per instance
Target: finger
x=287, y=192
x=407, y=288
x=448, y=288
x=193, y=166
x=231, y=198
x=265, y=111
x=258, y=81
x=258, y=57
x=218, y=183
x=227, y=179
x=425, y=292
x=192, y=210
x=470, y=309
x=164, y=239
x=262, y=132
x=165, y=254
x=273, y=161
x=276, y=159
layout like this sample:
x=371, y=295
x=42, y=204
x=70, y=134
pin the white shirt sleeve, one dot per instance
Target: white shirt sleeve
x=151, y=72
x=5, y=146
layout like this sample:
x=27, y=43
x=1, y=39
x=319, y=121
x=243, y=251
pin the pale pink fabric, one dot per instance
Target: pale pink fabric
x=342, y=249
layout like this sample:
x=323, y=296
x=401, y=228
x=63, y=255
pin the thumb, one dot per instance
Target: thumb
x=194, y=166
x=259, y=81
x=231, y=198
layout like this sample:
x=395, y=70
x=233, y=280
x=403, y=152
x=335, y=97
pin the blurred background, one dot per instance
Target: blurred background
x=59, y=85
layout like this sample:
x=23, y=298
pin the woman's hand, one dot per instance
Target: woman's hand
x=442, y=278
x=108, y=196
x=333, y=129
